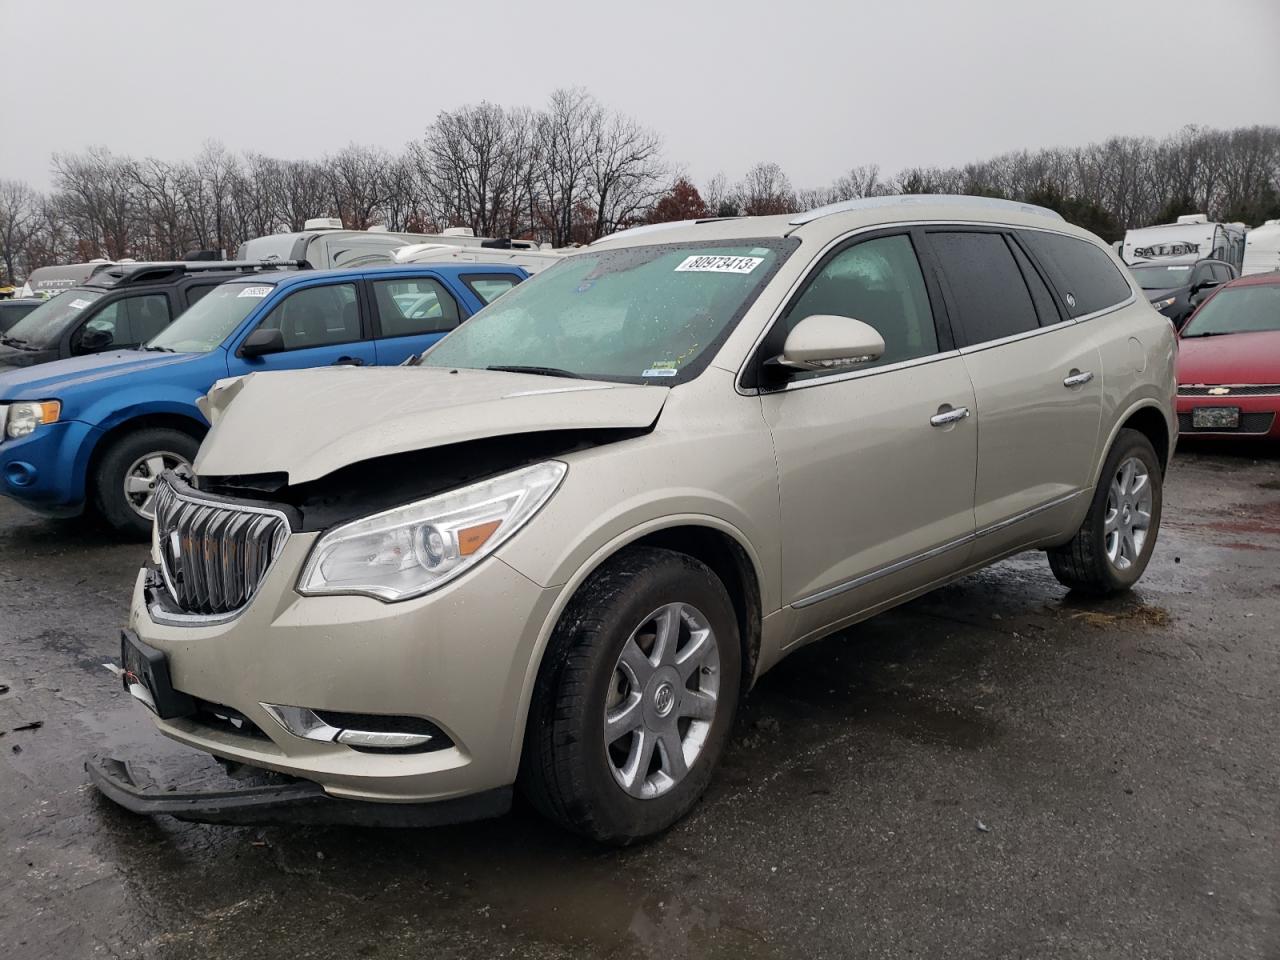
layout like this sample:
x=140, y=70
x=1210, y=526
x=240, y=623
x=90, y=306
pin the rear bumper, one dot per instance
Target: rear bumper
x=1259, y=415
x=271, y=798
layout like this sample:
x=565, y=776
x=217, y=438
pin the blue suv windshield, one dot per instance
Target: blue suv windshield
x=211, y=319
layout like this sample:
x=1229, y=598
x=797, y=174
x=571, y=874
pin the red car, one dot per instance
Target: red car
x=1229, y=362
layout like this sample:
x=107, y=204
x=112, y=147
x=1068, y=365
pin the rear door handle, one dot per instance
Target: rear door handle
x=348, y=362
x=944, y=417
x=1078, y=378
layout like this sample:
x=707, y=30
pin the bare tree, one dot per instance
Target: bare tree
x=20, y=222
x=766, y=190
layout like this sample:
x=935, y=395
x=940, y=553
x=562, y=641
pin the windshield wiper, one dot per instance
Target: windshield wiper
x=15, y=342
x=160, y=349
x=1210, y=333
x=540, y=371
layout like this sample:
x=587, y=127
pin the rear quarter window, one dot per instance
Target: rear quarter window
x=1085, y=276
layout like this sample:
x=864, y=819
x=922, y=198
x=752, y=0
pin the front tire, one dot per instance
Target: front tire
x=124, y=481
x=1114, y=544
x=635, y=699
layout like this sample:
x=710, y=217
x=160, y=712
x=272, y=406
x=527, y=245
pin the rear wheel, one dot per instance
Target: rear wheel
x=125, y=481
x=635, y=699
x=1113, y=546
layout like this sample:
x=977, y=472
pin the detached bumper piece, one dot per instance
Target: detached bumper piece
x=264, y=797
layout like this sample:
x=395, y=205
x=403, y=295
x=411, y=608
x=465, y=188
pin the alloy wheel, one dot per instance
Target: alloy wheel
x=141, y=478
x=662, y=700
x=1128, y=515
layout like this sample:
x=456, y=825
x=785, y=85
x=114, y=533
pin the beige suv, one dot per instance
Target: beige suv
x=557, y=552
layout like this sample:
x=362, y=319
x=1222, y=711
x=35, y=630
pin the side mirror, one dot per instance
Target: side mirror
x=95, y=340
x=825, y=342
x=262, y=342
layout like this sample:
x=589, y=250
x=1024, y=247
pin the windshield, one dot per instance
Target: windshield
x=1163, y=277
x=211, y=319
x=1250, y=309
x=650, y=314
x=44, y=326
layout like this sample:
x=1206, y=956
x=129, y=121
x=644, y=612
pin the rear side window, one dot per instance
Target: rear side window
x=878, y=282
x=1086, y=277
x=198, y=292
x=1045, y=305
x=418, y=305
x=986, y=286
x=489, y=289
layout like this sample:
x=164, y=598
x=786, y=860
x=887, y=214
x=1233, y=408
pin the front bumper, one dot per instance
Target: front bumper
x=45, y=471
x=1259, y=415
x=273, y=798
x=459, y=657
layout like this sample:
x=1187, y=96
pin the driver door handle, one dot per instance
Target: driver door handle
x=348, y=362
x=944, y=417
x=1078, y=378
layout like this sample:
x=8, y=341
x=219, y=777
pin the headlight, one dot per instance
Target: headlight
x=407, y=551
x=23, y=418
x=1161, y=304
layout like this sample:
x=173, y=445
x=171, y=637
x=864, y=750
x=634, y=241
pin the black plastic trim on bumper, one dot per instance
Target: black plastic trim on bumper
x=290, y=801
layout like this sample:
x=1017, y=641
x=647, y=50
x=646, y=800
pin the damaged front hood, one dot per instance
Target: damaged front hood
x=308, y=423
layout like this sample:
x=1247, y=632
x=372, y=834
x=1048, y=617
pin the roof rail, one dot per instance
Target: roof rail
x=656, y=227
x=923, y=199
x=143, y=272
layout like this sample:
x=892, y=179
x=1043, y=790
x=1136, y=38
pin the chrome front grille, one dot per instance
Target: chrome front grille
x=213, y=554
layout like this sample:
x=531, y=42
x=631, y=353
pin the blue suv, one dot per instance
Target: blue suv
x=101, y=429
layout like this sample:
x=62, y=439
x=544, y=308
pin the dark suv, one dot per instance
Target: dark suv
x=120, y=306
x=1176, y=289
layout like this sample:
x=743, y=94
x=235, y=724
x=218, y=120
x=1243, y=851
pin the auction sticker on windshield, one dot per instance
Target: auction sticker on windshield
x=254, y=292
x=718, y=264
x=78, y=304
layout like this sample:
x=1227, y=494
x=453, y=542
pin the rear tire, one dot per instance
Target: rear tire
x=608, y=667
x=1114, y=544
x=127, y=461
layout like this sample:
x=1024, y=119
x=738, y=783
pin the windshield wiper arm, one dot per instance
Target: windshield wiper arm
x=1210, y=333
x=15, y=342
x=160, y=349
x=540, y=371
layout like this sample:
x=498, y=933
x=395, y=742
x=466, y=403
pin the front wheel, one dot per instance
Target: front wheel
x=125, y=481
x=1114, y=544
x=635, y=699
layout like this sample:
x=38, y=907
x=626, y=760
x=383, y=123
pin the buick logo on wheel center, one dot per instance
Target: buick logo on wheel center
x=664, y=698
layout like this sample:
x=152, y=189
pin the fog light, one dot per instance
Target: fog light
x=19, y=473
x=367, y=732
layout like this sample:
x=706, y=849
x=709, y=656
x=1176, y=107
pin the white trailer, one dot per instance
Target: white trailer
x=531, y=260
x=1194, y=237
x=1262, y=249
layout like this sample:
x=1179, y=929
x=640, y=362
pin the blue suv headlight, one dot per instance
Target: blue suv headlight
x=21, y=419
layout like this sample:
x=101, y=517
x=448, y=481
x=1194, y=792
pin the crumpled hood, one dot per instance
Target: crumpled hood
x=1232, y=358
x=308, y=423
x=49, y=380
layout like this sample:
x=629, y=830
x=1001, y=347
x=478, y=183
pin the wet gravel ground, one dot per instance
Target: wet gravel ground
x=996, y=770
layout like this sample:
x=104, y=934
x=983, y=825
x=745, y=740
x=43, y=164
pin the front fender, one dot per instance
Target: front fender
x=604, y=549
x=110, y=412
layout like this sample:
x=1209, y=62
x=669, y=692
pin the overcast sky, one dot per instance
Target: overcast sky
x=817, y=87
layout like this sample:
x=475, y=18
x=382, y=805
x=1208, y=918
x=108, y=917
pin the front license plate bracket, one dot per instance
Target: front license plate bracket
x=145, y=675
